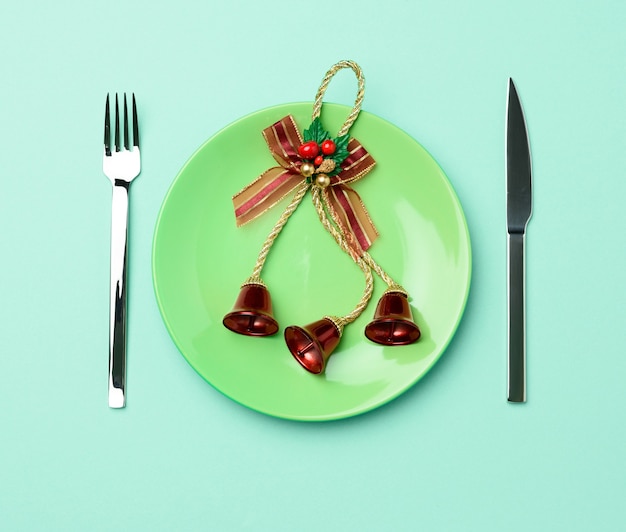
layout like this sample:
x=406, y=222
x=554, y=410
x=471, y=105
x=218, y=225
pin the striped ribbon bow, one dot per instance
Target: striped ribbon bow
x=344, y=204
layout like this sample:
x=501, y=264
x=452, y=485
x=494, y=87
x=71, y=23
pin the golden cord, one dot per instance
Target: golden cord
x=339, y=238
x=317, y=106
x=267, y=245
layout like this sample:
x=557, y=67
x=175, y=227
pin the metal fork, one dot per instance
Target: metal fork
x=121, y=167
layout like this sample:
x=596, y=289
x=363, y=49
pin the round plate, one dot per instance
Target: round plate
x=200, y=259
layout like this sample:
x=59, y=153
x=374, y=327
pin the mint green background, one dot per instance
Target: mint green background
x=450, y=454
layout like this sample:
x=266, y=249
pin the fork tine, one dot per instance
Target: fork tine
x=107, y=128
x=126, y=143
x=135, y=123
x=117, y=124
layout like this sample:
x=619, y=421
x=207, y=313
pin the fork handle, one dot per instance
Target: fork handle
x=117, y=323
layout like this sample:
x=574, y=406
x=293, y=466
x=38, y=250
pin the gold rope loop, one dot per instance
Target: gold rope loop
x=317, y=106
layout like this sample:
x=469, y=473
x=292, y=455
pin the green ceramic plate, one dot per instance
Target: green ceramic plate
x=200, y=259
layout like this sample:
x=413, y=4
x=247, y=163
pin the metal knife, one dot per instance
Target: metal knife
x=518, y=212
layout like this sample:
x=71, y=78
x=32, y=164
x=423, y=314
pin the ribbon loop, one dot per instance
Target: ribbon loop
x=283, y=139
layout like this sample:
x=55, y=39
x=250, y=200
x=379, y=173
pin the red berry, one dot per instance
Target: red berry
x=318, y=160
x=309, y=150
x=328, y=147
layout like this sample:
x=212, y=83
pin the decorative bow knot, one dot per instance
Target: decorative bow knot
x=344, y=204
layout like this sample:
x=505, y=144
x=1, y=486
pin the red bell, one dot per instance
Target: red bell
x=252, y=313
x=313, y=344
x=393, y=321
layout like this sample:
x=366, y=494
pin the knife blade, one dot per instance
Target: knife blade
x=518, y=212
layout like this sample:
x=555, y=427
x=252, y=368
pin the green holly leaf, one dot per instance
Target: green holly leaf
x=341, y=149
x=335, y=171
x=316, y=132
x=339, y=155
x=341, y=143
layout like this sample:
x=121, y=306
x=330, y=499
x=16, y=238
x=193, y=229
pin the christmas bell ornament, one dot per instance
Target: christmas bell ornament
x=393, y=321
x=252, y=313
x=313, y=344
x=326, y=166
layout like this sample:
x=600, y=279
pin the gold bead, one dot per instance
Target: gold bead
x=307, y=169
x=322, y=180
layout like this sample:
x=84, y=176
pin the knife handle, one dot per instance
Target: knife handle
x=517, y=319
